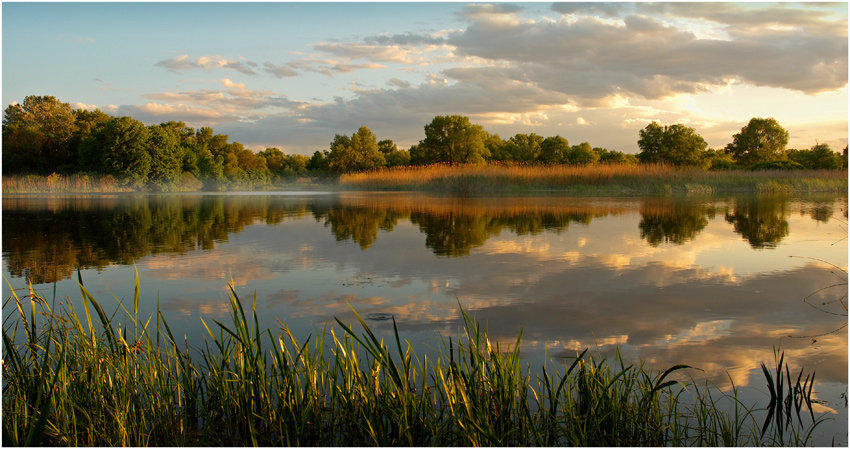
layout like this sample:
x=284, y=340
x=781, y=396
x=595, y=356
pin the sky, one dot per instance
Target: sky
x=292, y=75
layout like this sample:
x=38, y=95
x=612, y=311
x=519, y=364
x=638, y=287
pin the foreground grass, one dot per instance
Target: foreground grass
x=646, y=179
x=75, y=381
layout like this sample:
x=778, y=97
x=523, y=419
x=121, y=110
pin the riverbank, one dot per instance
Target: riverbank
x=608, y=180
x=73, y=380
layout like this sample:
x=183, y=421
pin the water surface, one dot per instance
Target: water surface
x=712, y=282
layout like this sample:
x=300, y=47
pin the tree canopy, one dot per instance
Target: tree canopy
x=675, y=144
x=761, y=140
x=453, y=139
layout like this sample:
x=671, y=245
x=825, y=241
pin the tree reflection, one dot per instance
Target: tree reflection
x=45, y=240
x=454, y=234
x=672, y=220
x=761, y=221
x=358, y=224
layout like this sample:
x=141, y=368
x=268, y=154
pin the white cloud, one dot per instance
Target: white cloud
x=183, y=63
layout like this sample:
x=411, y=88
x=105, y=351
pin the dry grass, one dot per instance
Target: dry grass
x=76, y=183
x=595, y=179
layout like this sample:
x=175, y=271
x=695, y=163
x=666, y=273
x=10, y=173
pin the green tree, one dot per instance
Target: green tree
x=523, y=147
x=319, y=162
x=553, y=150
x=760, y=141
x=86, y=122
x=37, y=135
x=358, y=152
x=387, y=146
x=824, y=157
x=612, y=157
x=119, y=148
x=581, y=154
x=166, y=157
x=453, y=139
x=398, y=158
x=675, y=144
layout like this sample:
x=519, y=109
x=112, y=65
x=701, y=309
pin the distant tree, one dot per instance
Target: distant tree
x=387, y=146
x=581, y=154
x=454, y=140
x=675, y=144
x=523, y=147
x=615, y=157
x=553, y=150
x=824, y=157
x=318, y=162
x=275, y=160
x=37, y=135
x=717, y=160
x=398, y=158
x=417, y=155
x=119, y=148
x=761, y=140
x=166, y=158
x=358, y=152
x=86, y=122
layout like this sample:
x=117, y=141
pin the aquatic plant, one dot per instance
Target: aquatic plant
x=122, y=379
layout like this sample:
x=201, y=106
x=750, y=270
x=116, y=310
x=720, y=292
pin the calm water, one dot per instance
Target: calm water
x=713, y=282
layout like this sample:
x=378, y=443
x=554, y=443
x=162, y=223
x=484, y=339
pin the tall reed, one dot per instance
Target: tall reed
x=121, y=379
x=594, y=179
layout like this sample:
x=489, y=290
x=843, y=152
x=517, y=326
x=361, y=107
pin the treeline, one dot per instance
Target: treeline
x=43, y=135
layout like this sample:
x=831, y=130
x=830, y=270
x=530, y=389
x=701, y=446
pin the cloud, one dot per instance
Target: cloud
x=372, y=52
x=278, y=71
x=590, y=8
x=395, y=82
x=183, y=63
x=83, y=106
x=644, y=57
x=406, y=39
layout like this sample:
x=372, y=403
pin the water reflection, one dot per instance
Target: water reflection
x=44, y=239
x=761, y=221
x=673, y=220
x=667, y=280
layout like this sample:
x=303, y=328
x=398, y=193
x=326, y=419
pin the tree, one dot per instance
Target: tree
x=37, y=135
x=523, y=147
x=166, y=157
x=607, y=156
x=454, y=140
x=553, y=150
x=824, y=157
x=675, y=144
x=387, y=146
x=581, y=154
x=761, y=140
x=319, y=162
x=358, y=152
x=86, y=122
x=119, y=148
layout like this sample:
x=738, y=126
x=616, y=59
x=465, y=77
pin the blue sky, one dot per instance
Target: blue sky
x=292, y=75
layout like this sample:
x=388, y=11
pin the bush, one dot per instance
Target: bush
x=777, y=165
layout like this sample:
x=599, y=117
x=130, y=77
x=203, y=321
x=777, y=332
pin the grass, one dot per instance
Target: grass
x=76, y=183
x=118, y=379
x=646, y=179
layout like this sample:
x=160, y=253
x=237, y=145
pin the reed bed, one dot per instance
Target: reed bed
x=75, y=183
x=599, y=179
x=123, y=380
